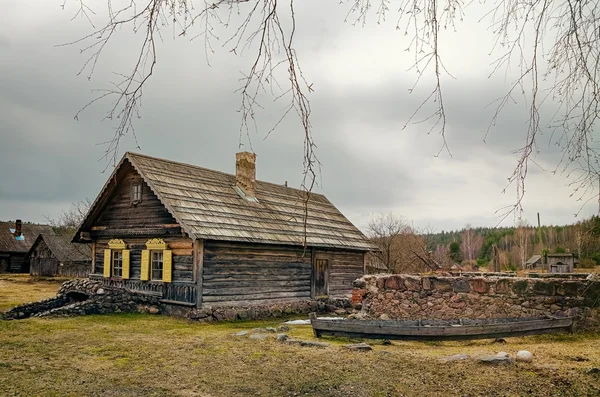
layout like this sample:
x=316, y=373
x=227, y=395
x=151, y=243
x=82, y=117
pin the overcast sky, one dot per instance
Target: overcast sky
x=360, y=103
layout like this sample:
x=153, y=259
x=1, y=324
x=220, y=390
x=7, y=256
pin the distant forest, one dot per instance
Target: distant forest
x=402, y=248
x=515, y=245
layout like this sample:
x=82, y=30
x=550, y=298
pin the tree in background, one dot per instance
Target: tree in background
x=384, y=230
x=455, y=253
x=522, y=242
x=471, y=243
x=402, y=249
x=68, y=221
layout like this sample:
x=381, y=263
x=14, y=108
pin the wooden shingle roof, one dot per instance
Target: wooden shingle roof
x=206, y=205
x=30, y=231
x=63, y=249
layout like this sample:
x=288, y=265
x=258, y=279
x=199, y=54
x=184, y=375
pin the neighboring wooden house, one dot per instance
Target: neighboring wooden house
x=553, y=263
x=201, y=237
x=535, y=262
x=16, y=238
x=560, y=263
x=55, y=255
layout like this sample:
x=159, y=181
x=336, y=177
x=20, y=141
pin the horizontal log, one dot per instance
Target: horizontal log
x=239, y=264
x=256, y=297
x=254, y=277
x=183, y=251
x=183, y=259
x=254, y=272
x=242, y=303
x=181, y=244
x=182, y=266
x=257, y=285
x=253, y=291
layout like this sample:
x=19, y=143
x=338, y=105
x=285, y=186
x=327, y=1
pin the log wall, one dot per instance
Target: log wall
x=121, y=217
x=344, y=268
x=182, y=256
x=249, y=274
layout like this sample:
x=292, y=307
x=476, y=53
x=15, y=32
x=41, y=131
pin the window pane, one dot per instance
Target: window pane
x=157, y=265
x=117, y=263
x=136, y=192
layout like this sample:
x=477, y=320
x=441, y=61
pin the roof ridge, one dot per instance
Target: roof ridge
x=213, y=170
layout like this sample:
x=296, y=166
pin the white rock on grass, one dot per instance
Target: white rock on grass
x=524, y=356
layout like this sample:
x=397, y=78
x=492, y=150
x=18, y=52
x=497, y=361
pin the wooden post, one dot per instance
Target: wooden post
x=313, y=316
x=312, y=273
x=198, y=265
x=93, y=257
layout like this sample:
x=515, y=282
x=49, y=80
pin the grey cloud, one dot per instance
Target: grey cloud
x=189, y=114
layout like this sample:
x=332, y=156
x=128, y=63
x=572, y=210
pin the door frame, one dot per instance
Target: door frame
x=315, y=255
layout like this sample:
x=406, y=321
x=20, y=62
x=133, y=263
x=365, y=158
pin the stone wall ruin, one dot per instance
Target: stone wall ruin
x=436, y=297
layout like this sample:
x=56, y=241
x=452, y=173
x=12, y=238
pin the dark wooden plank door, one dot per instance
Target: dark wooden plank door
x=321, y=278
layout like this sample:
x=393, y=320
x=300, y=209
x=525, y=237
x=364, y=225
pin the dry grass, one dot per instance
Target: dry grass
x=133, y=355
x=16, y=289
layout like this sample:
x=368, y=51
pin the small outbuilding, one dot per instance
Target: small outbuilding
x=195, y=236
x=56, y=255
x=560, y=263
x=16, y=239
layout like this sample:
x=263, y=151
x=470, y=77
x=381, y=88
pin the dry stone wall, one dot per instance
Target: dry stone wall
x=79, y=297
x=434, y=297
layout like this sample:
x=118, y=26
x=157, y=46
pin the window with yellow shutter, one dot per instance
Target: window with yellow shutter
x=116, y=259
x=157, y=265
x=157, y=261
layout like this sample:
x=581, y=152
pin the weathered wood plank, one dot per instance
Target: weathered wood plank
x=394, y=329
x=257, y=296
x=198, y=270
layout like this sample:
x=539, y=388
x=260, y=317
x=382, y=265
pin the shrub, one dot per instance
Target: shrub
x=587, y=263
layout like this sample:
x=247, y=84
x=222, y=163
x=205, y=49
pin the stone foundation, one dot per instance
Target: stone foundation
x=81, y=297
x=433, y=297
x=339, y=306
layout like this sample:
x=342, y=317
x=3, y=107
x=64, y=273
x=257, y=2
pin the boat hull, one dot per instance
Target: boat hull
x=442, y=330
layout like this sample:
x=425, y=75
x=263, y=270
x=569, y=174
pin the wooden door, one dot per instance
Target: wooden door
x=320, y=279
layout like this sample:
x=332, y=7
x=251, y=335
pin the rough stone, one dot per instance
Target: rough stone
x=456, y=357
x=480, y=285
x=524, y=356
x=443, y=285
x=501, y=358
x=359, y=283
x=242, y=333
x=359, y=347
x=461, y=285
x=281, y=337
x=308, y=343
x=519, y=287
x=394, y=283
x=544, y=288
x=412, y=283
x=283, y=328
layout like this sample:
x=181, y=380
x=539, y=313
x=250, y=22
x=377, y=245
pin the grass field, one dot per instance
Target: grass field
x=146, y=355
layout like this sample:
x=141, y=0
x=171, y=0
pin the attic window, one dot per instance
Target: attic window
x=136, y=192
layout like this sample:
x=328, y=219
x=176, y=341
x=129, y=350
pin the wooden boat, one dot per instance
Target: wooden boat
x=461, y=329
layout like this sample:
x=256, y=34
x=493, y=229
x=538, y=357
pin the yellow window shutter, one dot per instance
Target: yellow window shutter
x=125, y=263
x=106, y=263
x=145, y=274
x=167, y=266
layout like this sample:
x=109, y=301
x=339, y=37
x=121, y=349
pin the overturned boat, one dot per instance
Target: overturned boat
x=429, y=330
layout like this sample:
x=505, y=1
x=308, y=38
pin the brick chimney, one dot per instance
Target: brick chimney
x=245, y=172
x=18, y=228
